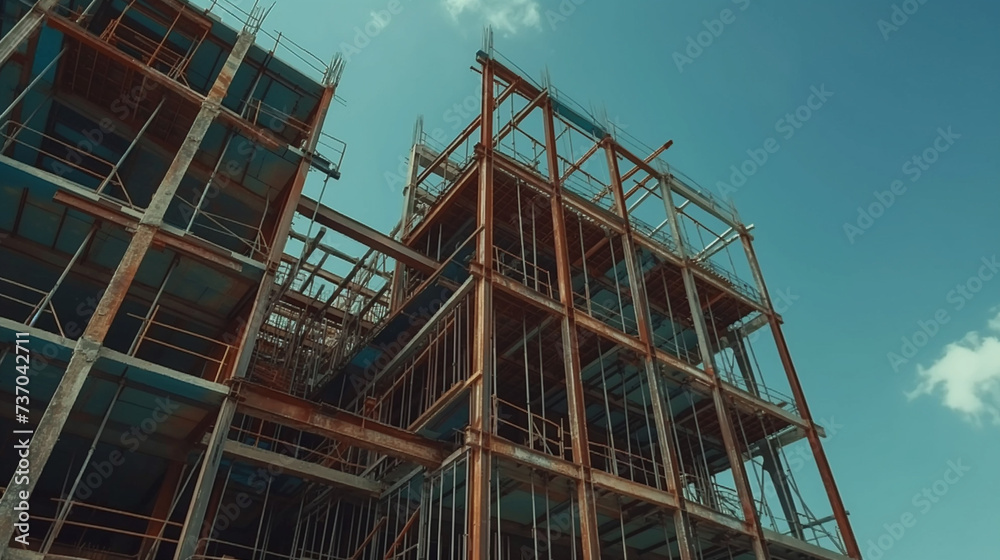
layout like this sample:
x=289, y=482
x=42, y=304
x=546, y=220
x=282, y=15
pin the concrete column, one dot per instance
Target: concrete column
x=90, y=342
x=24, y=29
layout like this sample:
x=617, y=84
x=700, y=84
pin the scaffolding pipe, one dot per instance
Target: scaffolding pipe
x=65, y=272
x=67, y=504
x=31, y=85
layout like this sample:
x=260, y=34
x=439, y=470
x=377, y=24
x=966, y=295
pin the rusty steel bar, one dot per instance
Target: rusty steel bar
x=812, y=434
x=366, y=235
x=351, y=429
x=721, y=405
x=480, y=394
x=576, y=403
x=85, y=353
x=75, y=32
x=640, y=302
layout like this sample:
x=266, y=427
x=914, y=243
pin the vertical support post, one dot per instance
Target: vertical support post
x=248, y=331
x=161, y=508
x=187, y=543
x=640, y=302
x=423, y=540
x=25, y=28
x=577, y=409
x=90, y=342
x=739, y=349
x=721, y=406
x=812, y=434
x=409, y=197
x=480, y=459
x=776, y=469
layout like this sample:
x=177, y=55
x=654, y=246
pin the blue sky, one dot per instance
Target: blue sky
x=925, y=87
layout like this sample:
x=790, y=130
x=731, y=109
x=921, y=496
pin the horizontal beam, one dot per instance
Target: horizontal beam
x=303, y=469
x=180, y=242
x=365, y=235
x=74, y=31
x=340, y=425
x=600, y=479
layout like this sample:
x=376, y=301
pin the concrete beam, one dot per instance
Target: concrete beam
x=303, y=469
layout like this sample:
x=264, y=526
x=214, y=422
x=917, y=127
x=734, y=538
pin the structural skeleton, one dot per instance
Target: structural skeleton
x=224, y=367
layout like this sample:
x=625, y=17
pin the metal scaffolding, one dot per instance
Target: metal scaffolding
x=525, y=367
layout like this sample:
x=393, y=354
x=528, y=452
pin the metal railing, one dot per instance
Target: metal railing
x=12, y=135
x=538, y=432
x=522, y=271
x=144, y=336
x=605, y=314
x=38, y=307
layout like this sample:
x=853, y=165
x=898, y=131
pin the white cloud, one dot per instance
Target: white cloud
x=504, y=15
x=967, y=376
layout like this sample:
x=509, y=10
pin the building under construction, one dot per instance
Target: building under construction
x=564, y=350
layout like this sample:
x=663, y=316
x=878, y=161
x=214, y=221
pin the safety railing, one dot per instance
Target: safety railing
x=537, y=432
x=85, y=162
x=158, y=54
x=711, y=494
x=670, y=345
x=613, y=317
x=729, y=277
x=40, y=306
x=211, y=362
x=809, y=529
x=89, y=511
x=623, y=464
x=253, y=243
x=522, y=271
x=589, y=188
x=330, y=153
x=730, y=374
x=657, y=234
